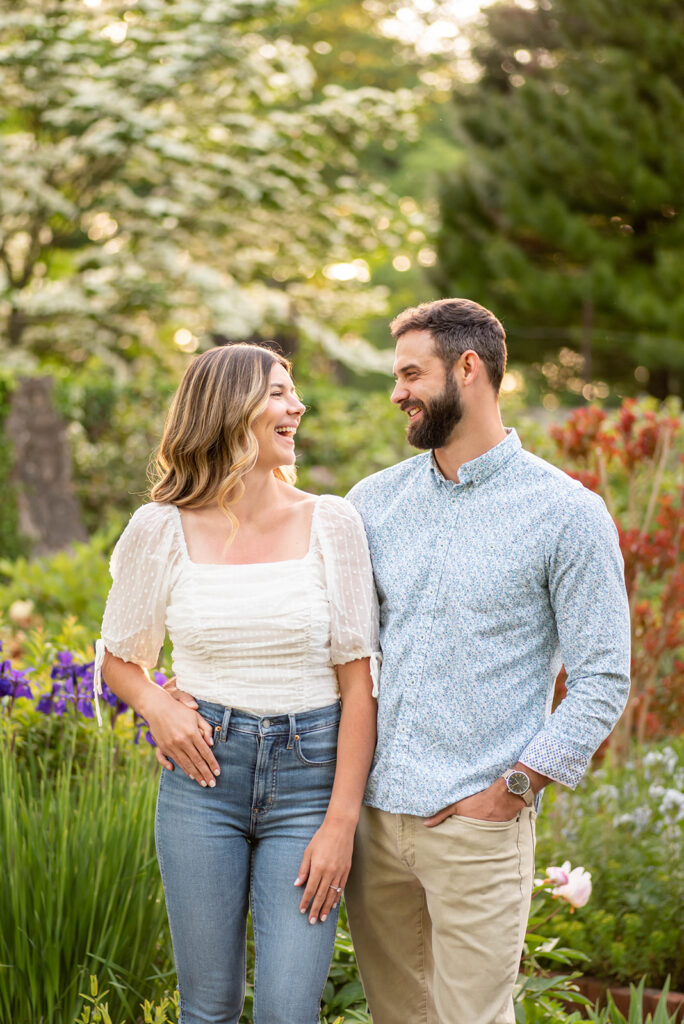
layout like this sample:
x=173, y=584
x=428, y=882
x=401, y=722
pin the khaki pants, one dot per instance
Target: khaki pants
x=438, y=916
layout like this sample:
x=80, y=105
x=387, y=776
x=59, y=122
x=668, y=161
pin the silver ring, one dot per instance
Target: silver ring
x=337, y=888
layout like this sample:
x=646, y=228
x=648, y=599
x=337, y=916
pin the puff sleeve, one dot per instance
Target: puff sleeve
x=142, y=569
x=352, y=597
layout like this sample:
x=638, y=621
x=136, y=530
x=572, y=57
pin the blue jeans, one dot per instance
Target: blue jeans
x=240, y=844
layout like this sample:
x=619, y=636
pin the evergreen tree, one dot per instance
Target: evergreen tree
x=565, y=215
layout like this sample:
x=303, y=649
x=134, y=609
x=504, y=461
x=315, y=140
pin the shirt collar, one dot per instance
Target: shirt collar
x=484, y=465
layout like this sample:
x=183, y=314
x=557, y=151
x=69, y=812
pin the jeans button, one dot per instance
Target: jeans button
x=266, y=722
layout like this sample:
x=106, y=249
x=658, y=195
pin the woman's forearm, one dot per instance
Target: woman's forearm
x=131, y=684
x=179, y=732
x=355, y=743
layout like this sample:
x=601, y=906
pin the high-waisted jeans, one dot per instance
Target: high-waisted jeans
x=240, y=844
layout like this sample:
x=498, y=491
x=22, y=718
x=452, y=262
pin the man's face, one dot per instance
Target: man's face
x=425, y=391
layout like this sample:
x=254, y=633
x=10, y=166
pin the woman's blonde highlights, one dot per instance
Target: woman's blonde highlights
x=208, y=444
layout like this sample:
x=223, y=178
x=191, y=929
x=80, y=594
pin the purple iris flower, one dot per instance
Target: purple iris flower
x=13, y=682
x=141, y=724
x=53, y=702
x=85, y=706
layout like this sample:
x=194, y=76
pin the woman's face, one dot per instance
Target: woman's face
x=275, y=427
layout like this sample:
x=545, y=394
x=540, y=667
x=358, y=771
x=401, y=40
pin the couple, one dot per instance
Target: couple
x=490, y=567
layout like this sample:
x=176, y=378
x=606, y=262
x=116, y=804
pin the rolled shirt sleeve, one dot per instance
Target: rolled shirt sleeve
x=589, y=602
x=351, y=590
x=141, y=566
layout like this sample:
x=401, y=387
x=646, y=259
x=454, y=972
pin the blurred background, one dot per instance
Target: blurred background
x=179, y=174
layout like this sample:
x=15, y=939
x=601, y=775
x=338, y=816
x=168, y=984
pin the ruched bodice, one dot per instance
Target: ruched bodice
x=262, y=637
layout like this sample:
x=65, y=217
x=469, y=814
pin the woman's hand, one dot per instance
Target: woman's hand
x=182, y=733
x=324, y=868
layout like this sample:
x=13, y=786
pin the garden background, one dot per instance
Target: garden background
x=176, y=174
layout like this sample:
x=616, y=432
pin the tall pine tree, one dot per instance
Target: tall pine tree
x=565, y=215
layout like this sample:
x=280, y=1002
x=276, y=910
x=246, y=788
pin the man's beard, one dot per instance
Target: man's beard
x=439, y=418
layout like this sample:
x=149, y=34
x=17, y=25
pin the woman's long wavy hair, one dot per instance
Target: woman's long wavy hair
x=208, y=444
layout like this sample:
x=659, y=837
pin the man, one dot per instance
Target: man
x=492, y=569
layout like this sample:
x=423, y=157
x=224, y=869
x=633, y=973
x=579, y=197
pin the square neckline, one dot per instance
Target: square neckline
x=243, y=565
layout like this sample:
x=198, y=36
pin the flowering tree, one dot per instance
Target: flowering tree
x=169, y=162
x=634, y=461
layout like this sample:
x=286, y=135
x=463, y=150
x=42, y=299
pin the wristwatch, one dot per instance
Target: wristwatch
x=518, y=783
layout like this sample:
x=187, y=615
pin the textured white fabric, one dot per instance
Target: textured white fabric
x=263, y=637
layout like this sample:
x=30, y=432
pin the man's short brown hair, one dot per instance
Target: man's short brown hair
x=457, y=325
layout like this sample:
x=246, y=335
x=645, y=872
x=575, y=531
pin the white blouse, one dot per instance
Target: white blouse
x=263, y=637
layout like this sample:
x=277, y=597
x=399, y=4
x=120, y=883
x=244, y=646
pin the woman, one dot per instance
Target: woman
x=268, y=598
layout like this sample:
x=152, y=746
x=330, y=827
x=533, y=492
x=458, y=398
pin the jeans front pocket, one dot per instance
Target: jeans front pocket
x=317, y=747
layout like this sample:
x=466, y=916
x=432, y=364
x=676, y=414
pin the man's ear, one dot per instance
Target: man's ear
x=467, y=367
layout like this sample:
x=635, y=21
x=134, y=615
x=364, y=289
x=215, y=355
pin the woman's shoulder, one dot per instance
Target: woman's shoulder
x=335, y=511
x=154, y=513
x=152, y=521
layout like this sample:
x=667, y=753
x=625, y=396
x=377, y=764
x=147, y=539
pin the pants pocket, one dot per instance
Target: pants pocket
x=317, y=747
x=487, y=826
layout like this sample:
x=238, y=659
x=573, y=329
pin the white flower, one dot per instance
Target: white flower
x=672, y=804
x=20, y=612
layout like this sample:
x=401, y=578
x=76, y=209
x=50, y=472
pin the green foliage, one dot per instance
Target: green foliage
x=72, y=583
x=625, y=824
x=574, y=236
x=115, y=427
x=635, y=1014
x=85, y=893
x=12, y=543
x=346, y=435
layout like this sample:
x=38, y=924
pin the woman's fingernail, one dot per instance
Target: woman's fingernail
x=298, y=880
x=217, y=771
x=324, y=917
x=212, y=783
x=312, y=920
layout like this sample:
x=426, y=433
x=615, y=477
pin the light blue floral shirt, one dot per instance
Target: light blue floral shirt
x=486, y=587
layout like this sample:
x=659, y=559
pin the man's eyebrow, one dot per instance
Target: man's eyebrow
x=406, y=369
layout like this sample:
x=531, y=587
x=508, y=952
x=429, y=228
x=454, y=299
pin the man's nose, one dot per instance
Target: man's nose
x=399, y=394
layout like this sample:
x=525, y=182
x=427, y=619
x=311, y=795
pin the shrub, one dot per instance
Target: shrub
x=634, y=459
x=71, y=583
x=627, y=823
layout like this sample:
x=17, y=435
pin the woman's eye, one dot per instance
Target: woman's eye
x=276, y=394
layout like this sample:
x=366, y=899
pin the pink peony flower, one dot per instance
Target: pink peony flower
x=558, y=876
x=577, y=889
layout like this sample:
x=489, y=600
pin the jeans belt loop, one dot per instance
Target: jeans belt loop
x=223, y=730
x=293, y=732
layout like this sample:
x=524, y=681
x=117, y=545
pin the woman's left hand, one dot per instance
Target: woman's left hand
x=324, y=868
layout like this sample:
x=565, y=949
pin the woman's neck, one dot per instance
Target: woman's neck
x=263, y=495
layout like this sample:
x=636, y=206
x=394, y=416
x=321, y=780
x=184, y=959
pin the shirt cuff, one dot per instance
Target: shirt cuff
x=375, y=663
x=554, y=760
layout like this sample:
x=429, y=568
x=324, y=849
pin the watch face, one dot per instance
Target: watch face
x=518, y=783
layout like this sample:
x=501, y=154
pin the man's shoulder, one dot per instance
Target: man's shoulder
x=567, y=496
x=386, y=481
x=538, y=470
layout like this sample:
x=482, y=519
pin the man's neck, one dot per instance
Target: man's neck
x=468, y=441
